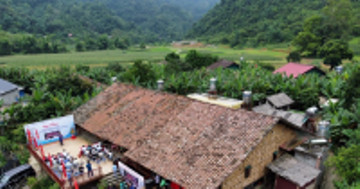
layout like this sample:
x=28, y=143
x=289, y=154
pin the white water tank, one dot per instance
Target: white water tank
x=323, y=129
x=339, y=69
x=312, y=111
x=247, y=97
x=160, y=84
x=212, y=84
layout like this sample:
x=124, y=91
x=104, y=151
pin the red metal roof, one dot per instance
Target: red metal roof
x=294, y=69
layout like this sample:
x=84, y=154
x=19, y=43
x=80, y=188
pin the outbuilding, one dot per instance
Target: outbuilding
x=9, y=92
x=293, y=174
x=296, y=69
x=223, y=64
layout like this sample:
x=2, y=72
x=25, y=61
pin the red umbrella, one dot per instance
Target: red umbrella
x=63, y=169
x=76, y=186
x=50, y=159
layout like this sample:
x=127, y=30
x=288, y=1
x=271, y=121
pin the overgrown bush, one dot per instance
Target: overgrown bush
x=294, y=56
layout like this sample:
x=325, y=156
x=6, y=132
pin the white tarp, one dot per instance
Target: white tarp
x=48, y=131
x=131, y=176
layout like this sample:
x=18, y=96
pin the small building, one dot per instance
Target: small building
x=223, y=64
x=280, y=101
x=188, y=142
x=296, y=69
x=9, y=92
x=293, y=174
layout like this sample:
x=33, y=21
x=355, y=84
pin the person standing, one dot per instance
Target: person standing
x=89, y=169
x=115, y=170
x=81, y=168
x=61, y=139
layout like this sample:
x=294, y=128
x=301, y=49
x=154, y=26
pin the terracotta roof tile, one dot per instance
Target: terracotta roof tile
x=192, y=143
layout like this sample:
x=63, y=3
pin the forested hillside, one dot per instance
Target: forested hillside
x=253, y=23
x=137, y=20
x=196, y=8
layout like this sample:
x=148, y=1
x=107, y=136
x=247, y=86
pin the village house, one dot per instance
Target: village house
x=9, y=92
x=223, y=64
x=293, y=174
x=190, y=143
x=296, y=69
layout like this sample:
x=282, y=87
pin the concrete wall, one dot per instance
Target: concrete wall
x=259, y=158
x=10, y=98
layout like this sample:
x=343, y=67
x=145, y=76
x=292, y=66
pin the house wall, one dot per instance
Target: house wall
x=259, y=158
x=282, y=183
x=10, y=98
x=315, y=71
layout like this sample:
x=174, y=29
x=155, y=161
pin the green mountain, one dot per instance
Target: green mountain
x=197, y=8
x=257, y=22
x=138, y=20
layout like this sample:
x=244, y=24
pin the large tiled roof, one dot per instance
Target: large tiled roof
x=189, y=142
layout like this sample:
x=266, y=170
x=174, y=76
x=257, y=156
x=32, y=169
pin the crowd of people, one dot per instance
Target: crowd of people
x=96, y=152
x=67, y=167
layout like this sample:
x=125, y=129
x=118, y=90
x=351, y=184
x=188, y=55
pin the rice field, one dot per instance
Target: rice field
x=155, y=54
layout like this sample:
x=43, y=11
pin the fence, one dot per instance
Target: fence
x=64, y=183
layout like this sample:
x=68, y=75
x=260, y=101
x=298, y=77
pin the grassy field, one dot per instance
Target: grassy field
x=355, y=47
x=275, y=57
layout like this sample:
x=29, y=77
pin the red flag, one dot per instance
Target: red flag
x=29, y=136
x=37, y=134
x=76, y=186
x=50, y=160
x=42, y=152
x=35, y=143
x=63, y=169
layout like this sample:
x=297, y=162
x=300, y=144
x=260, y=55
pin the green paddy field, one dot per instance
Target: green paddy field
x=155, y=54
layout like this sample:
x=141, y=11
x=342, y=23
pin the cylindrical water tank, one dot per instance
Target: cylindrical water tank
x=213, y=84
x=160, y=84
x=339, y=69
x=247, y=97
x=311, y=112
x=323, y=129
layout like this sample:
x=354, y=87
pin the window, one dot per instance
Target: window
x=247, y=171
x=275, y=154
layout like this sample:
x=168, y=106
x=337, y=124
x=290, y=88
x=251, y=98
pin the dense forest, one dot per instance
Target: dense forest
x=256, y=23
x=136, y=20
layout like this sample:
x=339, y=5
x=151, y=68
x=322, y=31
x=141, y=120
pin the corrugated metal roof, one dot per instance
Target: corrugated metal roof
x=280, y=100
x=189, y=142
x=221, y=63
x=293, y=170
x=296, y=119
x=294, y=69
x=6, y=86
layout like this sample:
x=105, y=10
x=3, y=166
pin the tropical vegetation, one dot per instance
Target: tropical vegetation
x=246, y=23
x=134, y=20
